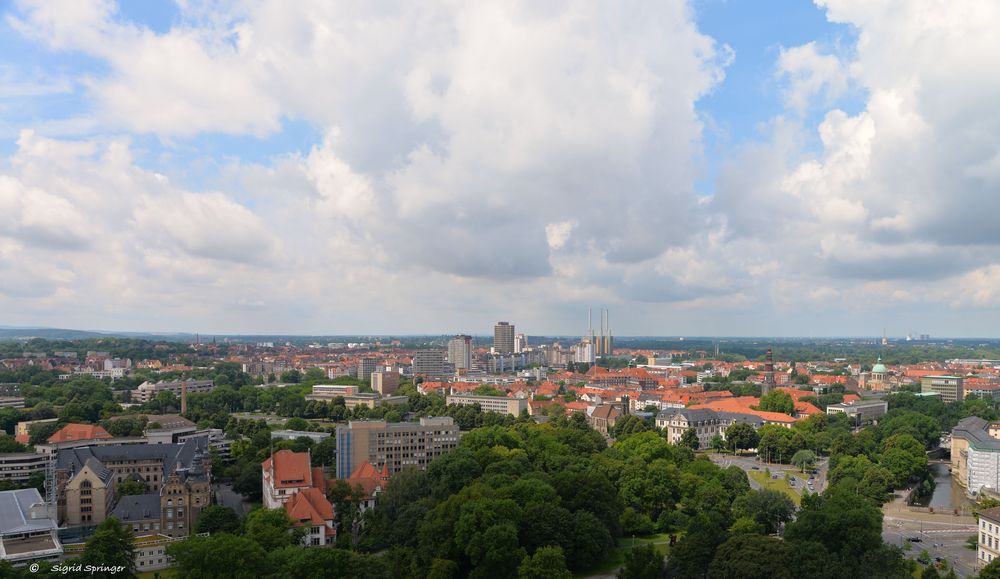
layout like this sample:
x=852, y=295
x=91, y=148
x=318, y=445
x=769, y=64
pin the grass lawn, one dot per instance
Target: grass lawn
x=617, y=556
x=778, y=484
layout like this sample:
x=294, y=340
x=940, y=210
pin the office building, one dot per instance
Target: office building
x=860, y=410
x=428, y=363
x=460, y=352
x=501, y=404
x=293, y=434
x=17, y=467
x=385, y=383
x=503, y=338
x=396, y=445
x=11, y=401
x=951, y=388
x=28, y=531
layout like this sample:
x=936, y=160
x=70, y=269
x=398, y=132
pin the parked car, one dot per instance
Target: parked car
x=755, y=467
x=914, y=539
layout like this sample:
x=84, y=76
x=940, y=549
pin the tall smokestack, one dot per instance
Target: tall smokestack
x=184, y=397
x=590, y=322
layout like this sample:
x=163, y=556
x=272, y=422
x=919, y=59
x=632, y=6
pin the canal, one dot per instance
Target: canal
x=948, y=495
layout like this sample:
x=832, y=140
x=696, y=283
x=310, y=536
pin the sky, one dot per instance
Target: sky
x=709, y=168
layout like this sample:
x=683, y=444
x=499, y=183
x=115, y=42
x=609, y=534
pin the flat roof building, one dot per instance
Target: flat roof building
x=501, y=404
x=860, y=410
x=951, y=388
x=397, y=445
x=28, y=531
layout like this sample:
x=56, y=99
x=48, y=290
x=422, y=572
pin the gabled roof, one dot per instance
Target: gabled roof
x=73, y=432
x=606, y=411
x=137, y=508
x=309, y=505
x=370, y=479
x=291, y=469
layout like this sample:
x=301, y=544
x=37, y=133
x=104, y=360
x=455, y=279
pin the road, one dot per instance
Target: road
x=941, y=535
x=750, y=462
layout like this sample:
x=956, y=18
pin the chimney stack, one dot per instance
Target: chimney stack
x=184, y=397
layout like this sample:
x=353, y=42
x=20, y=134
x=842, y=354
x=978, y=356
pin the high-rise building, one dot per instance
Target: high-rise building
x=460, y=352
x=503, y=338
x=429, y=363
x=520, y=343
x=397, y=445
x=365, y=368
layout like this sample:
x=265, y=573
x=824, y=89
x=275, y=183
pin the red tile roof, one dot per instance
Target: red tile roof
x=73, y=432
x=291, y=469
x=309, y=505
x=369, y=478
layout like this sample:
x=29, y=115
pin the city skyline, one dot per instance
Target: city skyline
x=702, y=168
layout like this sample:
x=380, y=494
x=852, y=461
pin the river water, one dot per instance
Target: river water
x=948, y=494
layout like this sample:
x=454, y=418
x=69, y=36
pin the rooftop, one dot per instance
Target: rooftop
x=16, y=513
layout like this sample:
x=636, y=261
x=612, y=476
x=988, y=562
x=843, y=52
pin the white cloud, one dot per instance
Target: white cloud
x=810, y=74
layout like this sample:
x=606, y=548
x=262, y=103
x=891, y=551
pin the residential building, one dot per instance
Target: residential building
x=17, y=467
x=860, y=410
x=503, y=338
x=372, y=480
x=397, y=445
x=291, y=483
x=286, y=473
x=428, y=363
x=365, y=368
x=520, y=343
x=148, y=391
x=28, y=531
x=951, y=388
x=989, y=537
x=311, y=509
x=501, y=404
x=385, y=382
x=460, y=352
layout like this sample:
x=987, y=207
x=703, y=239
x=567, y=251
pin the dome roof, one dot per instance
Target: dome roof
x=879, y=367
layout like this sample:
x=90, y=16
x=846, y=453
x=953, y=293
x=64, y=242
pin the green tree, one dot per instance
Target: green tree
x=546, y=563
x=690, y=439
x=777, y=401
x=751, y=557
x=642, y=562
x=217, y=519
x=131, y=487
x=296, y=424
x=768, y=507
x=270, y=528
x=741, y=436
x=222, y=555
x=804, y=459
x=991, y=571
x=717, y=443
x=110, y=546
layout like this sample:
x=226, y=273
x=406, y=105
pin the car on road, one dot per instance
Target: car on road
x=755, y=467
x=914, y=539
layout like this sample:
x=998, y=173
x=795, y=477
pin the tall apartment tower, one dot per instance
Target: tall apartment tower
x=460, y=352
x=768, y=383
x=365, y=368
x=503, y=338
x=520, y=343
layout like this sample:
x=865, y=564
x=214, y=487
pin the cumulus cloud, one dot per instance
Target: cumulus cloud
x=479, y=154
